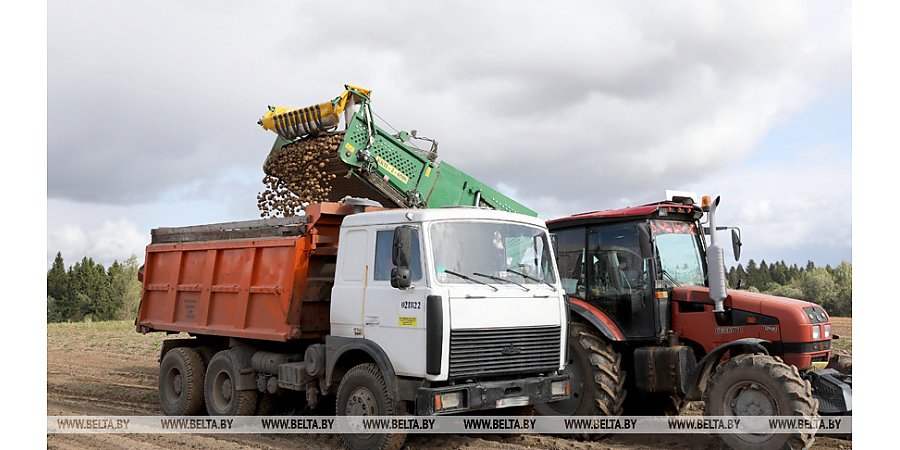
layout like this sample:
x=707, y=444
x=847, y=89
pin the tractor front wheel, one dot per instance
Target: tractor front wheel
x=595, y=374
x=760, y=385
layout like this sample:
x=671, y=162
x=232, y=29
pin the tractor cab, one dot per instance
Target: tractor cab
x=624, y=262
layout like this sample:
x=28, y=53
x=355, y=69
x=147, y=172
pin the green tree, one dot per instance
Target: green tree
x=763, y=277
x=740, y=277
x=843, y=280
x=125, y=289
x=57, y=283
x=90, y=285
x=58, y=292
x=752, y=273
x=788, y=291
x=818, y=287
x=794, y=273
x=779, y=272
x=771, y=286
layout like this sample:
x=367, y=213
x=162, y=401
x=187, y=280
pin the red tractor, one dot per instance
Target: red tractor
x=652, y=325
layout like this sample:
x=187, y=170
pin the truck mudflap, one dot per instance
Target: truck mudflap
x=833, y=389
x=491, y=395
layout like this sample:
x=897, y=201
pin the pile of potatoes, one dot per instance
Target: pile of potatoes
x=295, y=176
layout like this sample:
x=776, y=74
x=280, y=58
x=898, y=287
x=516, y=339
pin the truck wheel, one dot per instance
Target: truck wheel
x=181, y=382
x=363, y=392
x=597, y=381
x=222, y=397
x=206, y=353
x=760, y=385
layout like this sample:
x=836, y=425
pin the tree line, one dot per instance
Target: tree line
x=88, y=291
x=831, y=287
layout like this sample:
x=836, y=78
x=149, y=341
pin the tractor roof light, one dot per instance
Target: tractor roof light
x=705, y=203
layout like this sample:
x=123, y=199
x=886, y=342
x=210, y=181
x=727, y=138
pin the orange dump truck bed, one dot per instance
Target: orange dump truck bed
x=261, y=279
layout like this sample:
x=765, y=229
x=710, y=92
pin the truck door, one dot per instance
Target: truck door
x=395, y=318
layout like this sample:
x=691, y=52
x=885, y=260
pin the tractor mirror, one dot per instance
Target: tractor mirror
x=645, y=241
x=736, y=243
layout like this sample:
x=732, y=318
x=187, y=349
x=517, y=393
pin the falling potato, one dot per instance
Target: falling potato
x=295, y=176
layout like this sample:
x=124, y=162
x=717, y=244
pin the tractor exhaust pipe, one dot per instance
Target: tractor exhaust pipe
x=715, y=262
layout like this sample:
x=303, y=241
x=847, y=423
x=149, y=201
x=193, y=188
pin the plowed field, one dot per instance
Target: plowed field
x=106, y=368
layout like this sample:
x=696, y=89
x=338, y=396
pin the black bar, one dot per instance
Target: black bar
x=434, y=334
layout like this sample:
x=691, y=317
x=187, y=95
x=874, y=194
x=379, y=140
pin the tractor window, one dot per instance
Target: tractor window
x=619, y=278
x=570, y=261
x=679, y=252
x=615, y=259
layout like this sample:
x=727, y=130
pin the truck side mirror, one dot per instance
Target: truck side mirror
x=401, y=277
x=736, y=244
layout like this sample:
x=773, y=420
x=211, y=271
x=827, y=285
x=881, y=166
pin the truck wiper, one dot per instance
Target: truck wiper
x=670, y=277
x=531, y=278
x=467, y=278
x=501, y=280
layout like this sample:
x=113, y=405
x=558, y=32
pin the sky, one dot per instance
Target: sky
x=565, y=106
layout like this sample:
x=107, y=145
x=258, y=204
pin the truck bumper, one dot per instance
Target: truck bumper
x=486, y=395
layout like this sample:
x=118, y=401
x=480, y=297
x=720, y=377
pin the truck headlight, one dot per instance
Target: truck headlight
x=558, y=388
x=827, y=330
x=448, y=400
x=816, y=332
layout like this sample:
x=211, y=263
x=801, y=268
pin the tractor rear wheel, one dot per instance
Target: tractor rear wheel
x=596, y=377
x=760, y=385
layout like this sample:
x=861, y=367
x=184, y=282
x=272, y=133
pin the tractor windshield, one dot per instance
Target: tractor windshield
x=678, y=247
x=499, y=249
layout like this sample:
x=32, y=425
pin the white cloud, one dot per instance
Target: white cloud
x=795, y=209
x=68, y=238
x=571, y=107
x=112, y=240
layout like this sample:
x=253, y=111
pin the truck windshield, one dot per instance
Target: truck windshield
x=491, y=248
x=679, y=253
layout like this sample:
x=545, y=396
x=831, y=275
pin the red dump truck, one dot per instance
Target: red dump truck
x=385, y=312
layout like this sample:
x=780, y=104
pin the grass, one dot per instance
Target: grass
x=114, y=336
x=843, y=327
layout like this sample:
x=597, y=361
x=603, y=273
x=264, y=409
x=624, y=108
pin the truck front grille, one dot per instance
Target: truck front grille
x=499, y=351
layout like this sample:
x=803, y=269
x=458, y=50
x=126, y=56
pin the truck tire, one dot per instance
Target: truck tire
x=756, y=384
x=181, y=382
x=222, y=398
x=597, y=379
x=206, y=353
x=363, y=392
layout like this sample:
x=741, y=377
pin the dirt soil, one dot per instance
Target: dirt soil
x=106, y=368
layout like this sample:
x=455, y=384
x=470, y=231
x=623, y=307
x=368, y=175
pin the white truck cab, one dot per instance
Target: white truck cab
x=472, y=314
